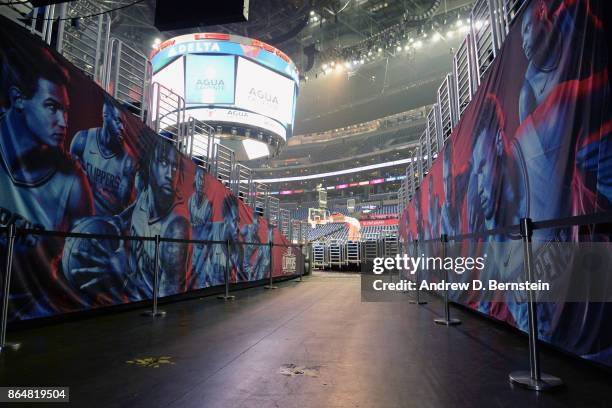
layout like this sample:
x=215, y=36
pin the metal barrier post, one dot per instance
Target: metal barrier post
x=418, y=300
x=227, y=296
x=155, y=312
x=271, y=285
x=303, y=263
x=11, y=234
x=532, y=379
x=447, y=321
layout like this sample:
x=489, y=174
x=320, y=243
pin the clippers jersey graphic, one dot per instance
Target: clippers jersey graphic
x=201, y=227
x=105, y=174
x=143, y=252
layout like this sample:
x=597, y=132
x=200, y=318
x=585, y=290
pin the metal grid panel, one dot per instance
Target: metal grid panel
x=272, y=210
x=369, y=249
x=390, y=245
x=484, y=35
x=128, y=76
x=285, y=222
x=296, y=232
x=199, y=142
x=511, y=8
x=224, y=163
x=85, y=44
x=259, y=197
x=353, y=252
x=424, y=147
x=447, y=107
x=304, y=231
x=40, y=24
x=434, y=137
x=241, y=181
x=335, y=253
x=167, y=112
x=464, y=78
x=320, y=255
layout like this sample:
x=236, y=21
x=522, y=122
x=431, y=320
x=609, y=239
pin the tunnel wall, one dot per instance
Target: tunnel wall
x=55, y=178
x=534, y=142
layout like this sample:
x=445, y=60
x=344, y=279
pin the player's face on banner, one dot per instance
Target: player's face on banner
x=200, y=181
x=482, y=159
x=528, y=35
x=46, y=113
x=114, y=123
x=165, y=172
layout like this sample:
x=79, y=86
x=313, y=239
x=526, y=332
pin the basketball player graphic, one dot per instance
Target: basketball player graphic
x=224, y=231
x=200, y=212
x=104, y=156
x=41, y=187
x=250, y=234
x=158, y=210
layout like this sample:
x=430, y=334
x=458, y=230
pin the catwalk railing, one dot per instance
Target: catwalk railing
x=490, y=22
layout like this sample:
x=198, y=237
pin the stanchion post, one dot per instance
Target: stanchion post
x=418, y=300
x=533, y=379
x=154, y=312
x=271, y=284
x=302, y=263
x=227, y=296
x=447, y=320
x=11, y=234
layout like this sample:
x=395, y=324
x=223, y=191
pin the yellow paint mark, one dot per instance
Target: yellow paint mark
x=154, y=362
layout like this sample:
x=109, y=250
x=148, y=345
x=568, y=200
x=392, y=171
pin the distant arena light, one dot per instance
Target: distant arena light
x=336, y=173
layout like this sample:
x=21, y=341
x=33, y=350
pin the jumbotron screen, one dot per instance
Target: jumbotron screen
x=227, y=78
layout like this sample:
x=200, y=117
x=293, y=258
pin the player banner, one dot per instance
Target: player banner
x=534, y=142
x=73, y=160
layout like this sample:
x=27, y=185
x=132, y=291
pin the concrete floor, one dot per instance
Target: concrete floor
x=309, y=344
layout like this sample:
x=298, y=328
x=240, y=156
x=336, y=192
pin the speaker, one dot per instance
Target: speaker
x=178, y=14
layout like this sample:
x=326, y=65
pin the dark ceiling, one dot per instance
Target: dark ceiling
x=321, y=26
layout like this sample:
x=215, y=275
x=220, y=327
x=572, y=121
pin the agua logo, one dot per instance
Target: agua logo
x=263, y=96
x=240, y=114
x=216, y=84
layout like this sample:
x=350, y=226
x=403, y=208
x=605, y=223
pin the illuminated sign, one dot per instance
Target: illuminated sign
x=238, y=117
x=215, y=43
x=209, y=79
x=265, y=92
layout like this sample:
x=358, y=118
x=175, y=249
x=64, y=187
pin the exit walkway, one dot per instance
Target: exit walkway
x=309, y=344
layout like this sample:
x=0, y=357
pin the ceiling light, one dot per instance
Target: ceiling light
x=418, y=44
x=312, y=12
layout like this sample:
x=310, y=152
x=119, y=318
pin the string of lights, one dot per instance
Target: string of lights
x=395, y=41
